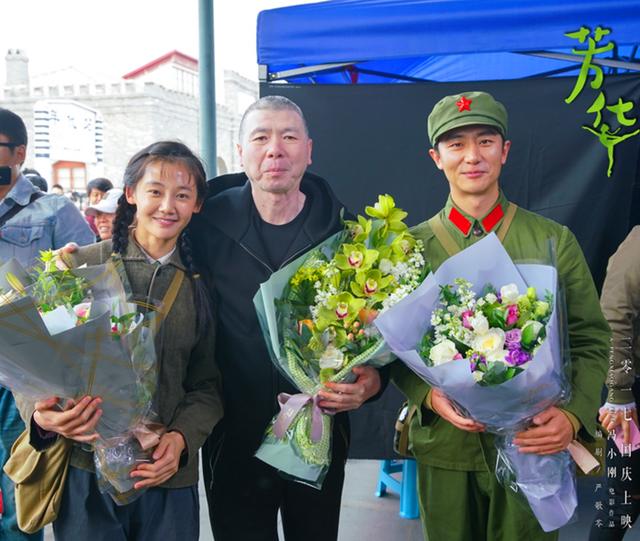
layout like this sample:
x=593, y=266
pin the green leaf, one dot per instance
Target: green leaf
x=498, y=373
x=497, y=317
x=448, y=296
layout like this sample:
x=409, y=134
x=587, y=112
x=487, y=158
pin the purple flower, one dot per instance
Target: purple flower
x=476, y=360
x=512, y=314
x=512, y=339
x=517, y=357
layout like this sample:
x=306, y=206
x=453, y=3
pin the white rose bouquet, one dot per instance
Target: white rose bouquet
x=497, y=355
x=498, y=333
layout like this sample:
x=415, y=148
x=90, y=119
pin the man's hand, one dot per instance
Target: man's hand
x=552, y=432
x=77, y=421
x=611, y=419
x=350, y=396
x=166, y=459
x=443, y=407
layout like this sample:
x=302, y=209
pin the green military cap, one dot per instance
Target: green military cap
x=464, y=110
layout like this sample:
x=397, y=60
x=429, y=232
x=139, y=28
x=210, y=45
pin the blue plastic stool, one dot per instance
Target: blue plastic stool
x=405, y=486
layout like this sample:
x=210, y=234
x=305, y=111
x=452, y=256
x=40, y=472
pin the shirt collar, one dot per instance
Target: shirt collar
x=163, y=260
x=466, y=224
x=21, y=191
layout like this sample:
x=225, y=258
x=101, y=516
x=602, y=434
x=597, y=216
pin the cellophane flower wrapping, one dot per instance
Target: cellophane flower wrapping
x=547, y=482
x=80, y=332
x=317, y=317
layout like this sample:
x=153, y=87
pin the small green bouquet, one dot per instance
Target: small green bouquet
x=75, y=332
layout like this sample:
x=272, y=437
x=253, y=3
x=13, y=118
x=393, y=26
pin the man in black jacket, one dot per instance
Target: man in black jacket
x=251, y=225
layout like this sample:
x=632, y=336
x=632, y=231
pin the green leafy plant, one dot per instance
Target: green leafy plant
x=51, y=287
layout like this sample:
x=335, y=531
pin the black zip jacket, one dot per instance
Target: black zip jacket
x=231, y=255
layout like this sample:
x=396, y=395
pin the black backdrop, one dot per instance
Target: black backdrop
x=371, y=139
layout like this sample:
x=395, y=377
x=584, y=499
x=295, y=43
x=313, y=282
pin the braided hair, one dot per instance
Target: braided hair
x=166, y=152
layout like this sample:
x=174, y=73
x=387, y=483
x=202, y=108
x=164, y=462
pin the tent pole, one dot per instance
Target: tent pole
x=207, y=75
x=306, y=70
x=608, y=62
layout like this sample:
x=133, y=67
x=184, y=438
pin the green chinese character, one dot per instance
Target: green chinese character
x=588, y=53
x=596, y=107
x=620, y=109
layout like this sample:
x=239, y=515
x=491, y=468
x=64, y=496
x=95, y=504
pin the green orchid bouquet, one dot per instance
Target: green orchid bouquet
x=317, y=314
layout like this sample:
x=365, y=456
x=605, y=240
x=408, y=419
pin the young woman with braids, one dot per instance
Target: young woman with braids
x=165, y=185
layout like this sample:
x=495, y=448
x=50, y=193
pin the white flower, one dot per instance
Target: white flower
x=477, y=376
x=499, y=355
x=332, y=358
x=399, y=270
x=509, y=294
x=489, y=342
x=490, y=298
x=443, y=352
x=480, y=324
x=385, y=266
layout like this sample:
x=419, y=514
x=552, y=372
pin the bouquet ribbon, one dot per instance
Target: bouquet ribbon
x=148, y=434
x=582, y=457
x=290, y=406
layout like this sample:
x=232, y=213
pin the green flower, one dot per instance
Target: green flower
x=402, y=245
x=341, y=309
x=371, y=284
x=359, y=230
x=541, y=309
x=524, y=303
x=385, y=209
x=355, y=257
x=308, y=274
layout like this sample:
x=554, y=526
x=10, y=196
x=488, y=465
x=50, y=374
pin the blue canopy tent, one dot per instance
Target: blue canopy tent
x=382, y=41
x=366, y=73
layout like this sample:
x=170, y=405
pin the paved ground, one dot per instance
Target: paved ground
x=376, y=519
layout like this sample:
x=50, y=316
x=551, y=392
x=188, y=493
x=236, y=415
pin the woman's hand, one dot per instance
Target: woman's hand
x=75, y=421
x=68, y=248
x=166, y=459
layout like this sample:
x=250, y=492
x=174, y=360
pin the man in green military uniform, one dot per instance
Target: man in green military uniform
x=460, y=498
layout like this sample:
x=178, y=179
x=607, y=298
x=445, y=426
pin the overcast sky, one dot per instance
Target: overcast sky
x=109, y=38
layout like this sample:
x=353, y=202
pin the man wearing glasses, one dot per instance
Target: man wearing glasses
x=30, y=221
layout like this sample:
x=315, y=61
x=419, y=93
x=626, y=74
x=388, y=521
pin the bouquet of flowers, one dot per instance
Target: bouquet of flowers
x=497, y=333
x=69, y=333
x=498, y=356
x=317, y=315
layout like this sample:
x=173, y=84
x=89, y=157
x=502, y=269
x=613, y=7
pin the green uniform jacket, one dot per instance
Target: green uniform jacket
x=438, y=443
x=620, y=303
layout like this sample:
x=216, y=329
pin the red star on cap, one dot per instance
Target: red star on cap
x=463, y=104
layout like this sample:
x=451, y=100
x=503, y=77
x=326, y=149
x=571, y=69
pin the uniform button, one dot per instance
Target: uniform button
x=477, y=231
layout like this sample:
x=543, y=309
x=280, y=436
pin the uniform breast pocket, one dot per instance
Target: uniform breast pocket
x=24, y=243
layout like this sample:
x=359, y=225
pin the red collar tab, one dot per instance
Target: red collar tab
x=491, y=219
x=463, y=104
x=458, y=219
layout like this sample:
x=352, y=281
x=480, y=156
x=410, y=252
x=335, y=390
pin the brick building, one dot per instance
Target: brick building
x=80, y=128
